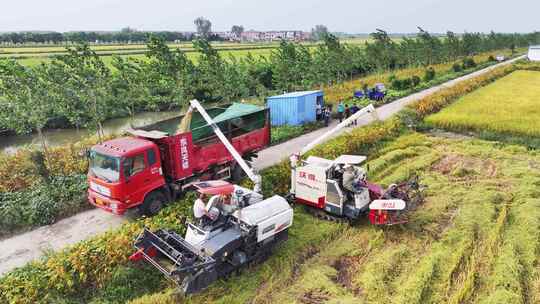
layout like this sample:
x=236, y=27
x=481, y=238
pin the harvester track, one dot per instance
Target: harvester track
x=323, y=215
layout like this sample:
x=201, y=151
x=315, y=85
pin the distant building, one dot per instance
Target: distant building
x=226, y=35
x=274, y=35
x=251, y=36
x=534, y=53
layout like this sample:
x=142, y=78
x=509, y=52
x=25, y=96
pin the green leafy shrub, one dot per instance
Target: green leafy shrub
x=456, y=67
x=42, y=204
x=286, y=132
x=429, y=74
x=468, y=63
x=416, y=80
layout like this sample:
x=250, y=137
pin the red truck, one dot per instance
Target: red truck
x=158, y=163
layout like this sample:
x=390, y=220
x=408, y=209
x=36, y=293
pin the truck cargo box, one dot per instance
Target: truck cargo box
x=184, y=154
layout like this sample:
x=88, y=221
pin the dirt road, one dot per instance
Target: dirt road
x=21, y=249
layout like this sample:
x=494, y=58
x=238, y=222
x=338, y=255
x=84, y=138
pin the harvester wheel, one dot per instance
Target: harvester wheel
x=153, y=203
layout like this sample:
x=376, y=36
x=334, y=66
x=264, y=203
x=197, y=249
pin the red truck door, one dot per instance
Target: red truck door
x=138, y=178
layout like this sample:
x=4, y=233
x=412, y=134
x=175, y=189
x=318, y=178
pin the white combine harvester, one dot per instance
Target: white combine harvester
x=244, y=230
x=318, y=183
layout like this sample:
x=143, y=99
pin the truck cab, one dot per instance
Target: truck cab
x=122, y=172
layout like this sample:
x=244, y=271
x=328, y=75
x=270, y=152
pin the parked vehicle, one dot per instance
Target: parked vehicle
x=378, y=92
x=159, y=162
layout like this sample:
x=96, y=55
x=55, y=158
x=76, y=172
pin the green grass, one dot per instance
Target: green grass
x=510, y=106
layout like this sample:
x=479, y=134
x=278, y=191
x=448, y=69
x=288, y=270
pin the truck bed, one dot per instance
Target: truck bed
x=196, y=151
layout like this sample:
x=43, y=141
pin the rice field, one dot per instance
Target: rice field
x=474, y=239
x=509, y=106
x=34, y=55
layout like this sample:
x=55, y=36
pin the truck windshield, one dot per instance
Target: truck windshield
x=104, y=167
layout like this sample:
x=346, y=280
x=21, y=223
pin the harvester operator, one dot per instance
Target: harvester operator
x=209, y=211
x=353, y=179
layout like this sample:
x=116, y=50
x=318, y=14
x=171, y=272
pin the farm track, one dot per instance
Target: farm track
x=21, y=249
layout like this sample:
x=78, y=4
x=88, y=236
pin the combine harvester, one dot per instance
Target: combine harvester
x=243, y=230
x=318, y=183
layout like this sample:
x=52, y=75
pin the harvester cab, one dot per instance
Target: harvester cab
x=237, y=227
x=339, y=189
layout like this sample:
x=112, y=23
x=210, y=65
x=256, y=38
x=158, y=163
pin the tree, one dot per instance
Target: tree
x=168, y=75
x=86, y=87
x=129, y=83
x=237, y=30
x=204, y=27
x=290, y=64
x=319, y=32
x=26, y=102
x=382, y=53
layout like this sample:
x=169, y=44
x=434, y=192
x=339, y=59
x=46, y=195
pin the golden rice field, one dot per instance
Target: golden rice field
x=474, y=240
x=510, y=106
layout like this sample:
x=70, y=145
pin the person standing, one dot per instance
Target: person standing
x=199, y=208
x=340, y=110
x=347, y=111
x=354, y=109
x=327, y=112
x=319, y=111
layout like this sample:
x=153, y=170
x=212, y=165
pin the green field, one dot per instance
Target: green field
x=32, y=55
x=509, y=106
x=192, y=55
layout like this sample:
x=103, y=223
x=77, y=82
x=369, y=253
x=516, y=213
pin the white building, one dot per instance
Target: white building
x=534, y=53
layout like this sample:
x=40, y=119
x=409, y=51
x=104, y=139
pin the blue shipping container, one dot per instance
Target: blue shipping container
x=296, y=108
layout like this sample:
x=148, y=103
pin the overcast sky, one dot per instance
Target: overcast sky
x=353, y=16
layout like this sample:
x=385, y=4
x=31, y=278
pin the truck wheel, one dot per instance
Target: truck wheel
x=153, y=203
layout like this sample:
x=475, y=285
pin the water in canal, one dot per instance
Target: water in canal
x=55, y=137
